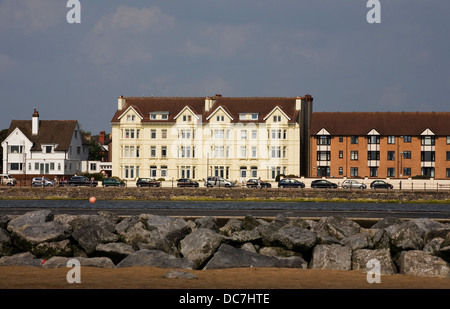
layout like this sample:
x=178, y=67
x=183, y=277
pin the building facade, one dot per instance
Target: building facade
x=236, y=138
x=380, y=145
x=51, y=148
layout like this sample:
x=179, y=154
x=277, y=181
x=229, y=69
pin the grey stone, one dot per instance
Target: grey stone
x=331, y=257
x=408, y=236
x=420, y=263
x=46, y=250
x=386, y=222
x=156, y=258
x=231, y=257
x=244, y=236
x=115, y=251
x=278, y=252
x=36, y=227
x=176, y=274
x=20, y=259
x=357, y=241
x=200, y=245
x=296, y=238
x=207, y=222
x=337, y=227
x=90, y=235
x=59, y=261
x=232, y=225
x=362, y=256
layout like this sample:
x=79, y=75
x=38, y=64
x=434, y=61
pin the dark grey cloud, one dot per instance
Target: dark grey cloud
x=237, y=48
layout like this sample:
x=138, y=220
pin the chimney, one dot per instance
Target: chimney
x=208, y=103
x=102, y=137
x=35, y=123
x=121, y=103
x=298, y=103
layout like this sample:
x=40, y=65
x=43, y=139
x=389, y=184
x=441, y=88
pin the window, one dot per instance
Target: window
x=354, y=155
x=276, y=134
x=373, y=155
x=164, y=171
x=36, y=166
x=164, y=133
x=354, y=172
x=391, y=139
x=374, y=139
x=428, y=140
x=153, y=134
x=341, y=154
x=185, y=151
x=242, y=116
x=276, y=152
x=427, y=156
x=323, y=140
x=407, y=171
x=254, y=152
x=391, y=155
x=323, y=155
x=220, y=118
x=254, y=134
x=276, y=118
x=448, y=155
x=243, y=172
x=48, y=149
x=15, y=149
x=354, y=139
x=153, y=151
x=407, y=139
x=93, y=166
x=243, y=151
x=152, y=116
x=341, y=171
x=218, y=152
x=341, y=139
x=129, y=171
x=15, y=166
x=391, y=172
x=374, y=172
x=406, y=154
x=448, y=140
x=254, y=171
x=276, y=170
x=447, y=174
x=153, y=170
x=219, y=134
x=185, y=134
x=163, y=151
x=165, y=116
x=243, y=134
x=138, y=150
x=255, y=116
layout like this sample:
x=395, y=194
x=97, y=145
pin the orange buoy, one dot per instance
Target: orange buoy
x=92, y=199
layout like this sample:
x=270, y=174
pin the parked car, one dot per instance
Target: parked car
x=147, y=182
x=81, y=181
x=6, y=179
x=381, y=184
x=322, y=183
x=290, y=183
x=253, y=183
x=216, y=181
x=185, y=182
x=350, y=183
x=113, y=182
x=41, y=182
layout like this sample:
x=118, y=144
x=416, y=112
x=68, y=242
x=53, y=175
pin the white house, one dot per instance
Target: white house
x=53, y=148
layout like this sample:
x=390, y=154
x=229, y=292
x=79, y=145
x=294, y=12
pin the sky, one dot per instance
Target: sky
x=237, y=48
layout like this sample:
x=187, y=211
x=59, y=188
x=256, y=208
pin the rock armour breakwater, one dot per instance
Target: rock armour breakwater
x=419, y=247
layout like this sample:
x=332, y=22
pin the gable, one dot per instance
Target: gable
x=219, y=112
x=277, y=111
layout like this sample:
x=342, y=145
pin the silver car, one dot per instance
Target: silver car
x=41, y=182
x=216, y=181
x=350, y=183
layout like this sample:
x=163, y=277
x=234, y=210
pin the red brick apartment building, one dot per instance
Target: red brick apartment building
x=380, y=144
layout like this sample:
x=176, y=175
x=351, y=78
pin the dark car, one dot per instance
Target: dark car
x=322, y=183
x=290, y=183
x=80, y=181
x=381, y=184
x=255, y=183
x=185, y=182
x=113, y=182
x=147, y=182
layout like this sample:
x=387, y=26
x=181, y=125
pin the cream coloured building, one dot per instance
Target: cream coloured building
x=236, y=138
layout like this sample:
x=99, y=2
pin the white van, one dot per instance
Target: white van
x=6, y=179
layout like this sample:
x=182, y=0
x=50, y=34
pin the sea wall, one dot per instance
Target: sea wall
x=223, y=193
x=419, y=247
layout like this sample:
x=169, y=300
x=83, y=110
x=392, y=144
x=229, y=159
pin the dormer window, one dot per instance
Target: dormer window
x=164, y=116
x=152, y=116
x=48, y=149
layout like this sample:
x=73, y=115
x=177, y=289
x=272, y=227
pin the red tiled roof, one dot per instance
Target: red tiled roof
x=233, y=105
x=50, y=132
x=386, y=123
